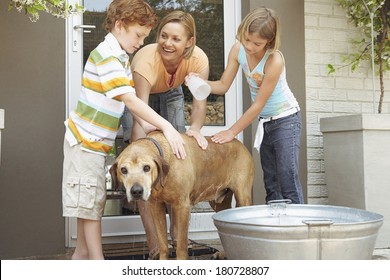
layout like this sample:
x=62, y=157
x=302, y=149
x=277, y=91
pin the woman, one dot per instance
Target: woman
x=159, y=70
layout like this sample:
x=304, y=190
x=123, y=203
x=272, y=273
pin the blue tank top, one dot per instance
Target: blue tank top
x=281, y=99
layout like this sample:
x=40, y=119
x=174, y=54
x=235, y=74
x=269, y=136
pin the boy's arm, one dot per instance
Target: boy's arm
x=142, y=89
x=142, y=110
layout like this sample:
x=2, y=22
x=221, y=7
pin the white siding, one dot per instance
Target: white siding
x=327, y=37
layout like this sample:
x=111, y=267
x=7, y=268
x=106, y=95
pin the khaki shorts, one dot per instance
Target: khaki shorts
x=83, y=183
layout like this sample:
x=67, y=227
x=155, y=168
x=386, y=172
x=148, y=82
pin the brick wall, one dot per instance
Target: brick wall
x=327, y=37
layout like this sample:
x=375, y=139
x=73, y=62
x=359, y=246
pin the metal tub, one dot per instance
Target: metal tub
x=281, y=231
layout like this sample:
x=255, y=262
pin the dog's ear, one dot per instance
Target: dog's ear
x=114, y=176
x=163, y=169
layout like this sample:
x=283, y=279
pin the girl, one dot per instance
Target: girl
x=273, y=103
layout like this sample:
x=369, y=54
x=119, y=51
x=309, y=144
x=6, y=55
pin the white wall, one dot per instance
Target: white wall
x=327, y=37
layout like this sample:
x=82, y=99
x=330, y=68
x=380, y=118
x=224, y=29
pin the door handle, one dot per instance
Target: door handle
x=84, y=27
x=76, y=35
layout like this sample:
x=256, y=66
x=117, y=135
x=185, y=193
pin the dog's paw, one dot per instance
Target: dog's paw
x=219, y=256
x=154, y=254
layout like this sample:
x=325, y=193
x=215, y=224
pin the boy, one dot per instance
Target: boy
x=92, y=127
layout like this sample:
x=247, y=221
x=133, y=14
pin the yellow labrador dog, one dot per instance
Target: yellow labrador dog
x=150, y=171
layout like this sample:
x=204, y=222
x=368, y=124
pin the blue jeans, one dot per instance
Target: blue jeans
x=170, y=105
x=127, y=125
x=279, y=156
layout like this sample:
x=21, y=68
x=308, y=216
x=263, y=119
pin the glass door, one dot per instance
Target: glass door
x=217, y=23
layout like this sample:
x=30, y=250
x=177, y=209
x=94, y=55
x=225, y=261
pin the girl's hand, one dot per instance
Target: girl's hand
x=202, y=142
x=189, y=76
x=223, y=137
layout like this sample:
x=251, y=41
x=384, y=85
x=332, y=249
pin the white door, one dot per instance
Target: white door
x=84, y=32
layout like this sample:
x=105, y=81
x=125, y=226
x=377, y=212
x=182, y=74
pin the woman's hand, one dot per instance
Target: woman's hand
x=202, y=142
x=223, y=137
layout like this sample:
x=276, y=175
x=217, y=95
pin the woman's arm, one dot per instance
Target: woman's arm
x=198, y=116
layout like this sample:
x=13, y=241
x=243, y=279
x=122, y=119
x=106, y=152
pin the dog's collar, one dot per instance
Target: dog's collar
x=158, y=146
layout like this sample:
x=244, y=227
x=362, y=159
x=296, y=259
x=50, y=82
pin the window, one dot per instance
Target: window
x=209, y=18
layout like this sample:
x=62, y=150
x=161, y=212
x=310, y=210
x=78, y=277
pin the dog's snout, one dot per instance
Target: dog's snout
x=137, y=191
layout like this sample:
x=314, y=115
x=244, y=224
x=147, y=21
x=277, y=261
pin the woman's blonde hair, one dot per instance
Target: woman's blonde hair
x=263, y=22
x=187, y=21
x=130, y=12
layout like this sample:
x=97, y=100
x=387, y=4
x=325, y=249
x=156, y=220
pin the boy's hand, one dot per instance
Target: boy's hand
x=176, y=142
x=202, y=142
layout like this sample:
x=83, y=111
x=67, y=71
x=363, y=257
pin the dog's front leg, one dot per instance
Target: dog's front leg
x=181, y=212
x=159, y=218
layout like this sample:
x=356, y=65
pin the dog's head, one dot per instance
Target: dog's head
x=139, y=173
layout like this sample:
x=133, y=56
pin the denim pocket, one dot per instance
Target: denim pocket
x=88, y=188
x=71, y=194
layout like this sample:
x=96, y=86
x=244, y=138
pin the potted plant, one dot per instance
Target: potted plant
x=357, y=147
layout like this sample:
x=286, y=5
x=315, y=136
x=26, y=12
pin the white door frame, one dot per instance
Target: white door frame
x=117, y=229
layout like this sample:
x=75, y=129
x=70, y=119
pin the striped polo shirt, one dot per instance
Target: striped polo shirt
x=95, y=121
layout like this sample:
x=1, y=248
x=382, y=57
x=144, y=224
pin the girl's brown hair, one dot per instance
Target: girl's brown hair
x=187, y=21
x=130, y=12
x=265, y=23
